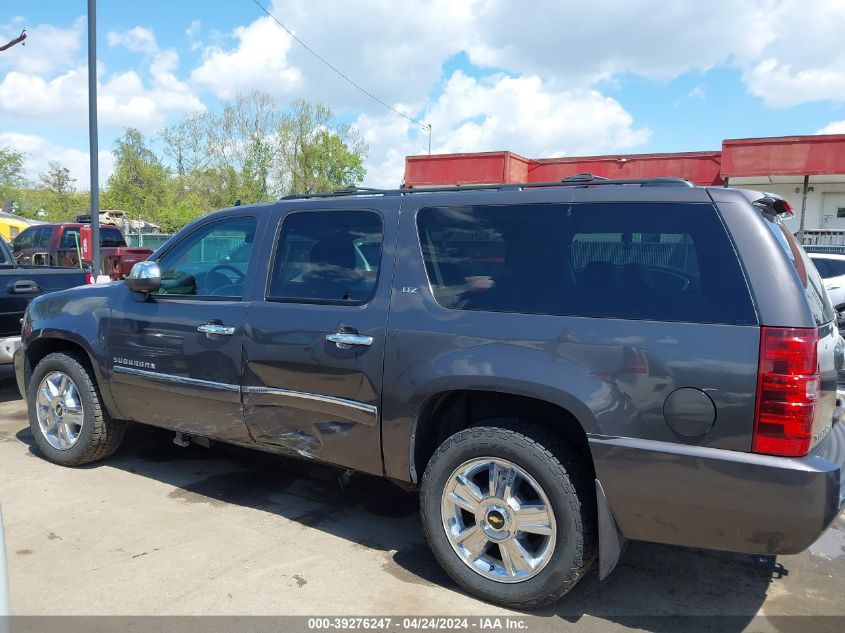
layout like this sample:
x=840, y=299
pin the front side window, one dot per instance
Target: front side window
x=197, y=265
x=664, y=262
x=327, y=257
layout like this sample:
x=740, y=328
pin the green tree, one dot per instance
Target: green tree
x=12, y=176
x=58, y=185
x=139, y=184
x=235, y=148
x=319, y=153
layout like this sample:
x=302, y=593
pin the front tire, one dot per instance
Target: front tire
x=508, y=509
x=66, y=415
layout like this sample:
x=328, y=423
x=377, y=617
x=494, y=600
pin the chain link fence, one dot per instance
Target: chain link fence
x=147, y=240
x=210, y=249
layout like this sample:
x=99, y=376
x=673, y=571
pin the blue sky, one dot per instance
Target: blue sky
x=538, y=78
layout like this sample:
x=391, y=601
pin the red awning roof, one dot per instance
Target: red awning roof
x=786, y=156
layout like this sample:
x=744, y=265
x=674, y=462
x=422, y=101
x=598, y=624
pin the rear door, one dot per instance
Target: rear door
x=315, y=334
x=175, y=358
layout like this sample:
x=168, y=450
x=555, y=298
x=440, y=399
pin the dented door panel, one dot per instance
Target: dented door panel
x=305, y=395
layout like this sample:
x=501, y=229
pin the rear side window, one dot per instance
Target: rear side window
x=664, y=262
x=327, y=257
x=814, y=290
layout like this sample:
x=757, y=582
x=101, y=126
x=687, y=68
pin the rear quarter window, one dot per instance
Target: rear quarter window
x=660, y=261
x=808, y=276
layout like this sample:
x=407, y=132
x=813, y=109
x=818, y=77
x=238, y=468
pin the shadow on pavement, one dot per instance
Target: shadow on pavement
x=655, y=587
x=8, y=387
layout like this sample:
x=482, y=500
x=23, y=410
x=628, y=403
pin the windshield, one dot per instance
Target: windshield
x=829, y=267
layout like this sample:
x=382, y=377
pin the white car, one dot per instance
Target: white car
x=831, y=267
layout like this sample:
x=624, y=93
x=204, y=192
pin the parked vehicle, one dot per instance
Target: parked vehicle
x=11, y=225
x=120, y=219
x=18, y=286
x=558, y=367
x=59, y=245
x=831, y=267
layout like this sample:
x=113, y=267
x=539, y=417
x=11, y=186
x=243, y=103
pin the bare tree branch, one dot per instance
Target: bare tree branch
x=20, y=38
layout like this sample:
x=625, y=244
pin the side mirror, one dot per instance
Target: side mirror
x=145, y=277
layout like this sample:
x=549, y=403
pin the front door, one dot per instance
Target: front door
x=315, y=337
x=176, y=356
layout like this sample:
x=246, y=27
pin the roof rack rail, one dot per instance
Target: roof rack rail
x=344, y=191
x=578, y=180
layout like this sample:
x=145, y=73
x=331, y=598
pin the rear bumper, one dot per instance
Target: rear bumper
x=8, y=346
x=719, y=499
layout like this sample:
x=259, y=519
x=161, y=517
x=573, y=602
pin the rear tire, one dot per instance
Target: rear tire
x=517, y=569
x=66, y=415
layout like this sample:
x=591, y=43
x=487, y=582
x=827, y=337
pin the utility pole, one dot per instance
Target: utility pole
x=93, y=148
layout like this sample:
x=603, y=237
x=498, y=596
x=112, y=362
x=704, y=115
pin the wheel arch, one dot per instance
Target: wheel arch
x=39, y=347
x=445, y=413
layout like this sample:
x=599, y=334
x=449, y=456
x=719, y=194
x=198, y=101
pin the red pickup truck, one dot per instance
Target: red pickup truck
x=59, y=244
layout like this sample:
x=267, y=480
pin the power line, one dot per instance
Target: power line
x=426, y=126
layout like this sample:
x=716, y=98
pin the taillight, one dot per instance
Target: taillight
x=89, y=279
x=787, y=391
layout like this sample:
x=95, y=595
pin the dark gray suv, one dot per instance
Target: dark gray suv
x=559, y=367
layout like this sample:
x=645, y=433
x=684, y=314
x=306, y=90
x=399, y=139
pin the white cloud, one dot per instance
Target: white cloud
x=124, y=98
x=651, y=38
x=519, y=114
x=783, y=85
x=193, y=33
x=804, y=60
x=38, y=152
x=699, y=92
x=834, y=127
x=393, y=49
x=788, y=53
x=137, y=40
x=47, y=48
x=257, y=62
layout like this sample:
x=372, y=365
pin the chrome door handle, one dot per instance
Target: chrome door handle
x=346, y=340
x=214, y=328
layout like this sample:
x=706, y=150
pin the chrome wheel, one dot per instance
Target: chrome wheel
x=498, y=520
x=59, y=410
